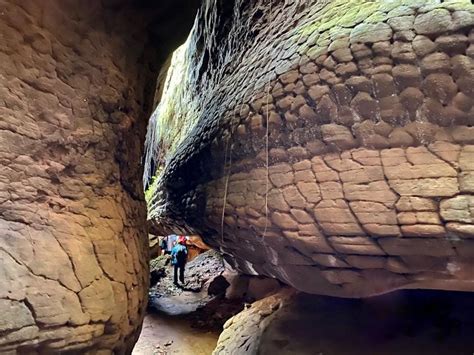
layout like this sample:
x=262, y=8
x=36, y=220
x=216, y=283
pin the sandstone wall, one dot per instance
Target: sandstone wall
x=332, y=148
x=76, y=84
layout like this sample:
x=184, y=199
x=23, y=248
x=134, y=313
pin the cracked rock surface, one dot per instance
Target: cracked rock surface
x=76, y=83
x=332, y=148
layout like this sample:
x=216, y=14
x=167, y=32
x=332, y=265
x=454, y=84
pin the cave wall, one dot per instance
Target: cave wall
x=77, y=82
x=328, y=144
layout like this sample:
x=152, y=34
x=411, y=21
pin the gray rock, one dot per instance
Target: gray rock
x=436, y=21
x=371, y=33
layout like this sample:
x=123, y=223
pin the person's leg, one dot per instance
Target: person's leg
x=175, y=274
x=181, y=274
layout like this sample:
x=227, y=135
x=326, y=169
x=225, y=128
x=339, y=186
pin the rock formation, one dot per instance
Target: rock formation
x=408, y=322
x=77, y=82
x=329, y=144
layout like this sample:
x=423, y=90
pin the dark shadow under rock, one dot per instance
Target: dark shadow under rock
x=406, y=322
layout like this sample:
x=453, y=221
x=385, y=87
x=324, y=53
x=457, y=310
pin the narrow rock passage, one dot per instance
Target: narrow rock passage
x=165, y=297
x=160, y=329
x=186, y=319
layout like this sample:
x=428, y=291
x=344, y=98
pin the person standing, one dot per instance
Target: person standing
x=179, y=255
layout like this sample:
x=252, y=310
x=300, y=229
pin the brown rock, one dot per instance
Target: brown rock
x=403, y=52
x=362, y=175
x=423, y=230
x=276, y=201
x=452, y=44
x=346, y=69
x=360, y=50
x=431, y=187
x=341, y=276
x=406, y=75
x=328, y=260
x=342, y=55
x=311, y=79
x=463, y=102
x=304, y=176
x=460, y=229
x=411, y=98
x=366, y=262
x=423, y=45
x=377, y=191
x=308, y=68
x=365, y=105
x=338, y=135
x=307, y=113
x=356, y=245
x=392, y=111
x=335, y=218
x=384, y=85
x=301, y=216
x=400, y=138
x=405, y=35
x=294, y=198
x=310, y=191
x=284, y=221
x=466, y=182
x=281, y=175
x=463, y=134
x=440, y=87
x=359, y=83
x=373, y=213
x=289, y=77
x=416, y=246
x=382, y=230
x=286, y=102
x=342, y=94
x=331, y=190
x=409, y=203
x=418, y=217
x=435, y=63
x=316, y=92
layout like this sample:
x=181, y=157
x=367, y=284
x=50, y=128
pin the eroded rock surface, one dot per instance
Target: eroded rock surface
x=243, y=333
x=77, y=80
x=328, y=144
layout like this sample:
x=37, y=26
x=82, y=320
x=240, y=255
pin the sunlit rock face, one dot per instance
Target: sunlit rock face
x=77, y=82
x=328, y=144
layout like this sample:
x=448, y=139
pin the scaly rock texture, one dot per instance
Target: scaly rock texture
x=77, y=82
x=329, y=144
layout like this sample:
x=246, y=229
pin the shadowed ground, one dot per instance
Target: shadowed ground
x=408, y=322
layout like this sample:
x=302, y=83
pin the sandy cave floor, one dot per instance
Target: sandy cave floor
x=161, y=329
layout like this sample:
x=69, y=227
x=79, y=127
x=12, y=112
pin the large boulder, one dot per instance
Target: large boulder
x=77, y=82
x=328, y=144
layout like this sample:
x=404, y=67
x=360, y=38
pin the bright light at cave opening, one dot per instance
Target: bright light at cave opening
x=173, y=118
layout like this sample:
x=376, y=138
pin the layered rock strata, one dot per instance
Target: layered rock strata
x=327, y=144
x=77, y=81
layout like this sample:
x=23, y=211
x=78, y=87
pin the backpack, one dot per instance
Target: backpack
x=181, y=255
